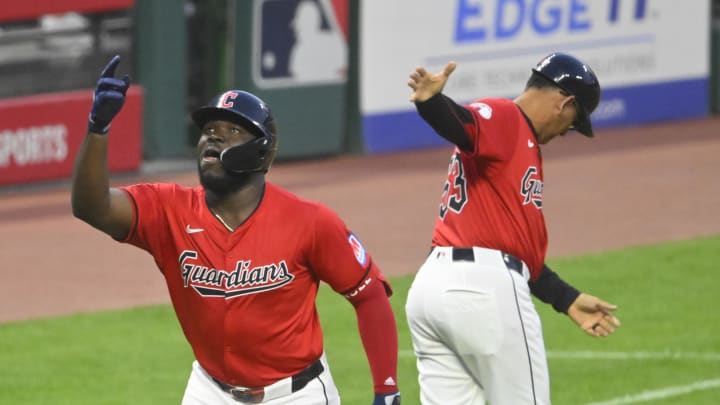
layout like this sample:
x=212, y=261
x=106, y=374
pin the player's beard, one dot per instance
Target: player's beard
x=225, y=183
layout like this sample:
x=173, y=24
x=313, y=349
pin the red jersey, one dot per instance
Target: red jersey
x=493, y=194
x=246, y=299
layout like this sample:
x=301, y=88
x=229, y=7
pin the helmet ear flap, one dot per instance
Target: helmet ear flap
x=254, y=156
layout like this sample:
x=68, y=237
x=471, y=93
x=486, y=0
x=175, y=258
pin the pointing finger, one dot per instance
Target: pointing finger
x=109, y=70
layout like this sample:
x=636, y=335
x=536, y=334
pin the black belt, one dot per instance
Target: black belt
x=460, y=254
x=257, y=395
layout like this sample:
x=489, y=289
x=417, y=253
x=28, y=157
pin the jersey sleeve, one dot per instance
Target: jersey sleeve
x=493, y=133
x=339, y=258
x=149, y=220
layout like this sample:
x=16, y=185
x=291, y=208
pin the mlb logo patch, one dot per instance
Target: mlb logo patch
x=484, y=110
x=358, y=249
x=300, y=42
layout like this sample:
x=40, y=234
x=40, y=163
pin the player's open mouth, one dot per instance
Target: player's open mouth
x=210, y=155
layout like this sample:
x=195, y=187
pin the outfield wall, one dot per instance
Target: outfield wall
x=652, y=57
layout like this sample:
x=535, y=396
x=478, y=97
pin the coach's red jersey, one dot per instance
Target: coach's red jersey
x=246, y=299
x=493, y=194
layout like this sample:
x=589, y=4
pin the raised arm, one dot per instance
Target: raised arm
x=445, y=116
x=93, y=201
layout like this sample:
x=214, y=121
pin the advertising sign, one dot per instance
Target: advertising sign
x=651, y=57
x=40, y=135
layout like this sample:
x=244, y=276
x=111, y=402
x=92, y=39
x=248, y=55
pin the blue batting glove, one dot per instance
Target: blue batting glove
x=387, y=399
x=108, y=98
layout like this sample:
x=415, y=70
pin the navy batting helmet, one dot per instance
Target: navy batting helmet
x=254, y=115
x=576, y=78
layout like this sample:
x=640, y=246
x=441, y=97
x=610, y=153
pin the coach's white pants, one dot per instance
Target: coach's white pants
x=476, y=333
x=202, y=390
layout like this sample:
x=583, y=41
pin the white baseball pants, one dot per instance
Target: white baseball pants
x=202, y=390
x=476, y=334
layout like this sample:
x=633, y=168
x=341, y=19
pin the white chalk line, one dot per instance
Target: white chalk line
x=591, y=355
x=642, y=396
x=665, y=355
x=662, y=393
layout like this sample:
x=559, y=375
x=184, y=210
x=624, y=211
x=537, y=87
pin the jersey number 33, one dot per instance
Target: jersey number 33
x=454, y=196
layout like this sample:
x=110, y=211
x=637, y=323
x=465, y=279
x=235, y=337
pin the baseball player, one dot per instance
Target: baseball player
x=242, y=258
x=476, y=334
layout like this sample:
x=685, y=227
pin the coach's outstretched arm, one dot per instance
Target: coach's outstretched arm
x=108, y=210
x=443, y=114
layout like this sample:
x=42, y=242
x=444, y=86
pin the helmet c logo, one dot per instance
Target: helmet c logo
x=226, y=101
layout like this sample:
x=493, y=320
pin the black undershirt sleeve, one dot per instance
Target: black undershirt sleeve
x=551, y=289
x=447, y=118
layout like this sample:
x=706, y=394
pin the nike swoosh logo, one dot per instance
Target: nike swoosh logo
x=193, y=230
x=530, y=143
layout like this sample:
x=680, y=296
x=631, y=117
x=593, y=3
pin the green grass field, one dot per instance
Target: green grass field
x=666, y=352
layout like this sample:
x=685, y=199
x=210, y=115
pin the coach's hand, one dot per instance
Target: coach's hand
x=593, y=315
x=425, y=84
x=387, y=399
x=108, y=98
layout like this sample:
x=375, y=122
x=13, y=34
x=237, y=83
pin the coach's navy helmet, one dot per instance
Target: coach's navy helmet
x=576, y=78
x=253, y=114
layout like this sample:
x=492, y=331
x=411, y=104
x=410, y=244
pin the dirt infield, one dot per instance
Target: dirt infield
x=625, y=187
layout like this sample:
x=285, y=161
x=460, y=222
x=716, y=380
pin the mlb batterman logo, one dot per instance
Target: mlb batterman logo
x=292, y=36
x=358, y=249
